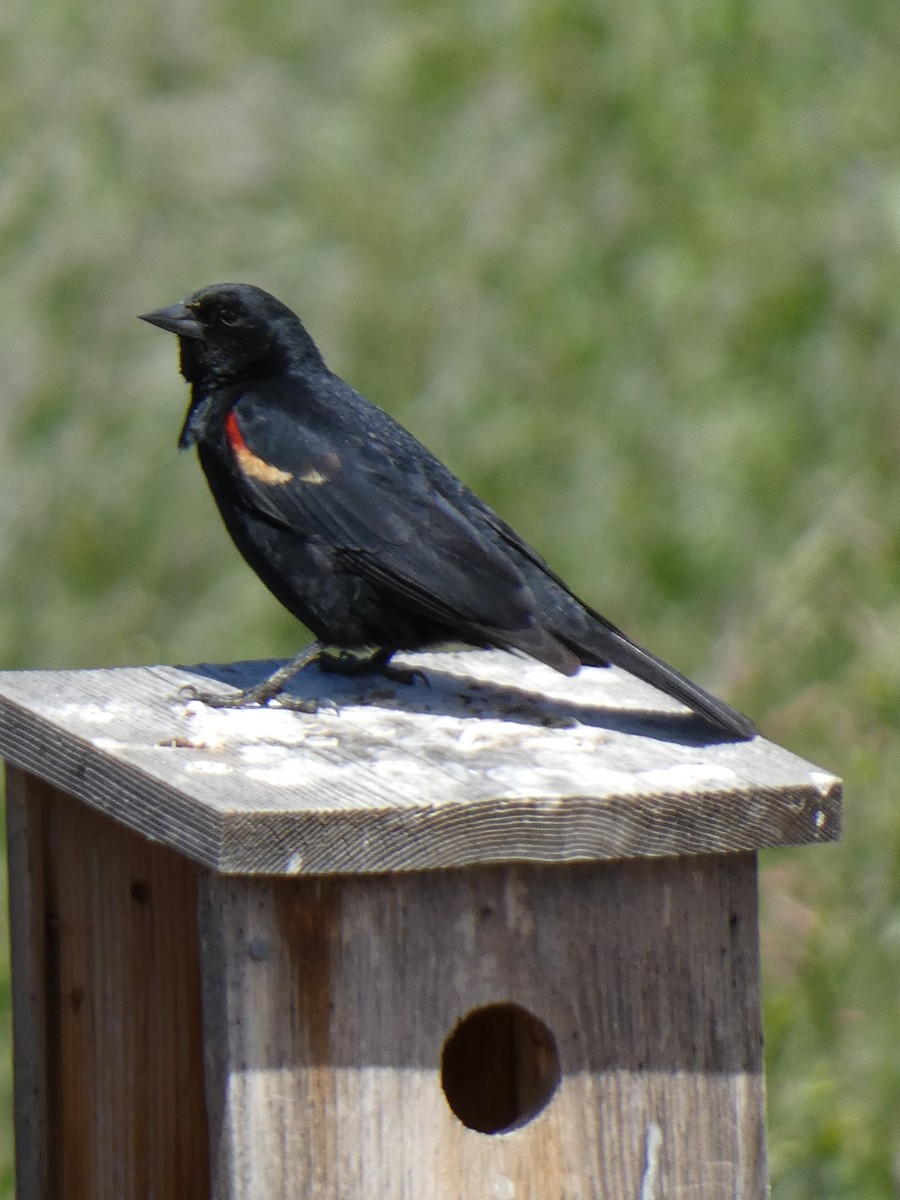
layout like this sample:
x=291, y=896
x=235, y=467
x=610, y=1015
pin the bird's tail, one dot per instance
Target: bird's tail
x=601, y=643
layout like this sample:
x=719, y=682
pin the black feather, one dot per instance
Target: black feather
x=355, y=526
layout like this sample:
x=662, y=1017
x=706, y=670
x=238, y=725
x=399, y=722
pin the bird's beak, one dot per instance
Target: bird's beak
x=177, y=318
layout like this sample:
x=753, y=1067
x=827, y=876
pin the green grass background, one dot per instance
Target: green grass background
x=631, y=268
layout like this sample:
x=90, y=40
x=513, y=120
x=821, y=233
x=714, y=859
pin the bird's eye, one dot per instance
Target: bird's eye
x=229, y=318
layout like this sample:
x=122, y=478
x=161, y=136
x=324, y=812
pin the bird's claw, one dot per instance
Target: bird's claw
x=309, y=705
x=352, y=666
x=252, y=697
x=189, y=693
x=404, y=675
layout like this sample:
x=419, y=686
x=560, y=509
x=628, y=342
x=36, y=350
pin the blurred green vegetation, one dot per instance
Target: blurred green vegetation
x=630, y=268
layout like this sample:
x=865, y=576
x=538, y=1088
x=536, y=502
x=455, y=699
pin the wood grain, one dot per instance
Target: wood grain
x=108, y=1051
x=327, y=1004
x=496, y=760
x=27, y=926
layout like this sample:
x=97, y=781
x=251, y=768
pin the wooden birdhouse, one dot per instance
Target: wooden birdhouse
x=494, y=938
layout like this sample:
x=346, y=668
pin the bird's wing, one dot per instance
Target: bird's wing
x=362, y=491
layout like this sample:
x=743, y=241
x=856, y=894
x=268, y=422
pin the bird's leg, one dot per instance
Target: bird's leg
x=266, y=690
x=270, y=687
x=377, y=661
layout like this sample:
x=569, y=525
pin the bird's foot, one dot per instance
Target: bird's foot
x=354, y=664
x=267, y=689
x=272, y=687
x=404, y=675
x=258, y=696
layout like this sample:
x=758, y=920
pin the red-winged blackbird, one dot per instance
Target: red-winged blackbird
x=360, y=531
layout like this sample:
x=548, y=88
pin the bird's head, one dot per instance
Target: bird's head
x=229, y=332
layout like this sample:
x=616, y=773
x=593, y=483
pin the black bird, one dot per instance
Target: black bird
x=355, y=526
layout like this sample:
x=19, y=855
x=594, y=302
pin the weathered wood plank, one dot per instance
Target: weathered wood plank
x=108, y=1060
x=27, y=926
x=497, y=760
x=327, y=1005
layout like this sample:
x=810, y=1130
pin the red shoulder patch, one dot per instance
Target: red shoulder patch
x=251, y=464
x=233, y=433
